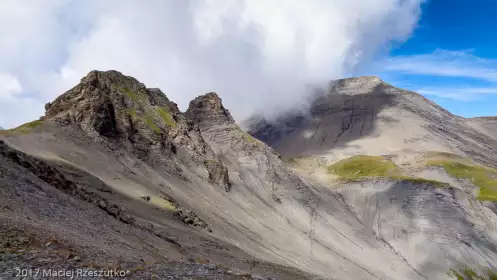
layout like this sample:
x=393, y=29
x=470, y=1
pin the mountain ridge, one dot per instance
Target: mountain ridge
x=372, y=107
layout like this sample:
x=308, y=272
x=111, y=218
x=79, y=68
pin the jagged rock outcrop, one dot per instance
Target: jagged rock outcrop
x=218, y=174
x=209, y=113
x=209, y=110
x=189, y=217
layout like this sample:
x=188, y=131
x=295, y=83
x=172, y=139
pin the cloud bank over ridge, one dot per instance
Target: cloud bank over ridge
x=258, y=55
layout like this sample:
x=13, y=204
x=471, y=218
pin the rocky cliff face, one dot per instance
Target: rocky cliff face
x=207, y=110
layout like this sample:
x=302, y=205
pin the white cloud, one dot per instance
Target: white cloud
x=479, y=74
x=9, y=86
x=26, y=109
x=256, y=54
x=460, y=94
x=445, y=63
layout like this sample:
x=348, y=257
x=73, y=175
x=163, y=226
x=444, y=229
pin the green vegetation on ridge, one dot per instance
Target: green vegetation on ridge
x=482, y=177
x=151, y=115
x=131, y=112
x=130, y=93
x=467, y=273
x=150, y=122
x=250, y=138
x=363, y=167
x=166, y=116
x=25, y=128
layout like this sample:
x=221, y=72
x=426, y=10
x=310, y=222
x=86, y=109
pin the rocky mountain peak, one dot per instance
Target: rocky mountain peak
x=361, y=79
x=208, y=109
x=110, y=77
x=111, y=104
x=119, y=109
x=357, y=85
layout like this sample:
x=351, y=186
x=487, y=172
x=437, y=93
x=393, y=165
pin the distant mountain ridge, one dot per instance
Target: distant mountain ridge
x=367, y=113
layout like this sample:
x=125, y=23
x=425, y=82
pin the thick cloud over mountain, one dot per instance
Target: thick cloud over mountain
x=256, y=54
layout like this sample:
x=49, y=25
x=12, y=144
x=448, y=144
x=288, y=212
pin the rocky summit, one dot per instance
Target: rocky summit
x=372, y=182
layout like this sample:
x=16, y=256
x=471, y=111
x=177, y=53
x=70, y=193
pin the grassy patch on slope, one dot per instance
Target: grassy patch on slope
x=364, y=167
x=151, y=124
x=482, y=177
x=166, y=116
x=467, y=273
x=247, y=137
x=148, y=120
x=131, y=112
x=25, y=128
x=250, y=138
x=162, y=203
x=151, y=114
x=131, y=94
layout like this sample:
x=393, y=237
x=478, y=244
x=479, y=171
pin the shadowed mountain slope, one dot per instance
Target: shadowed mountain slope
x=367, y=116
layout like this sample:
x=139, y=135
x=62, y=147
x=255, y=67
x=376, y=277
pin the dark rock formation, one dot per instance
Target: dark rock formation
x=218, y=174
x=208, y=109
x=190, y=218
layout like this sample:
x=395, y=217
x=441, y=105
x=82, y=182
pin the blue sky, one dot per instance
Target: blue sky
x=451, y=57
